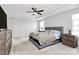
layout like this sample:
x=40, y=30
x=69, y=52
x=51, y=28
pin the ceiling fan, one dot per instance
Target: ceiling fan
x=34, y=10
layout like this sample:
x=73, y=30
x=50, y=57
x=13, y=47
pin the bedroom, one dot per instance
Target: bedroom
x=22, y=24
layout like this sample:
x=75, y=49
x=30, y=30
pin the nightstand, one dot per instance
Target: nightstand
x=70, y=40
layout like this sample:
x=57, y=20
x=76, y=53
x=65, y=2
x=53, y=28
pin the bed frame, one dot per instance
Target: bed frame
x=55, y=42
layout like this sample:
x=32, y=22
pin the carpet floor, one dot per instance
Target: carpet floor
x=25, y=47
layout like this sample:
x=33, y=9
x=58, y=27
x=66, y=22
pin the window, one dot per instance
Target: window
x=75, y=24
x=42, y=28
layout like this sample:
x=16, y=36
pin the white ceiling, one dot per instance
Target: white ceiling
x=47, y=8
x=20, y=10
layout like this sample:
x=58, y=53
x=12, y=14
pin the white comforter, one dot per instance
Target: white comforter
x=45, y=37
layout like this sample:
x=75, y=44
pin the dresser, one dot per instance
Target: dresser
x=70, y=40
x=5, y=41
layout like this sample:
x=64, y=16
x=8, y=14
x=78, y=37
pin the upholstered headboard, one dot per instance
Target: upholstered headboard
x=55, y=28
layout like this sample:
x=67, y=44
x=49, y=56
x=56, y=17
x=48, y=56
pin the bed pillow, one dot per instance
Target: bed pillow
x=57, y=34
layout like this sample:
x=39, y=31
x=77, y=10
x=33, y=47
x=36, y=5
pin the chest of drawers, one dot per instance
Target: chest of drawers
x=70, y=40
x=5, y=41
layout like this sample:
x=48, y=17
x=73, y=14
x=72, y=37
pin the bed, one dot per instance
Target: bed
x=51, y=36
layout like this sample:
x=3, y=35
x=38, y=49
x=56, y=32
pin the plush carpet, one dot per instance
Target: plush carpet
x=25, y=47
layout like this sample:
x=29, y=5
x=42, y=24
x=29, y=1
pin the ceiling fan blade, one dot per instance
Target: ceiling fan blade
x=34, y=9
x=30, y=11
x=38, y=13
x=40, y=10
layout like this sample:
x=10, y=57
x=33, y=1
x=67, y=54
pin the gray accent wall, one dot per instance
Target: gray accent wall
x=3, y=19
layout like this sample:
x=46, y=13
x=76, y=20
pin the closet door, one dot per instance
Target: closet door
x=3, y=19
